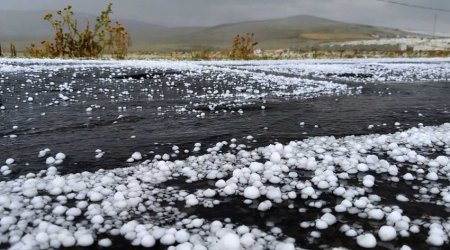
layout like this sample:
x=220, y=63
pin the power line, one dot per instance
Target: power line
x=414, y=6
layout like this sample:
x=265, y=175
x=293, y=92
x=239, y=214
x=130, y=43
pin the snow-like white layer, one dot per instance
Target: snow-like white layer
x=220, y=86
x=360, y=70
x=419, y=44
x=400, y=70
x=209, y=85
x=49, y=210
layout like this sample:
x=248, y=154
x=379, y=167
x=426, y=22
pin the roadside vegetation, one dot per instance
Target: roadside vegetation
x=108, y=39
x=71, y=41
x=12, y=50
x=243, y=47
x=290, y=54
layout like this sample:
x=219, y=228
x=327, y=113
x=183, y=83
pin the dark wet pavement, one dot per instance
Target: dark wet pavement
x=67, y=127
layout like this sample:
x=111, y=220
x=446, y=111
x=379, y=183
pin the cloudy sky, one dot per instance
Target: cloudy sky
x=213, y=12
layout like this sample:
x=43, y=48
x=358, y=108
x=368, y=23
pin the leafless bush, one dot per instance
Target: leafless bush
x=243, y=46
x=71, y=41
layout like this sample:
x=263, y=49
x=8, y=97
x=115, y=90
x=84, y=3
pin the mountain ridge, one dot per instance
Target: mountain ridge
x=25, y=27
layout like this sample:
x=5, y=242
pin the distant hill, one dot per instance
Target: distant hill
x=293, y=32
x=288, y=32
x=25, y=27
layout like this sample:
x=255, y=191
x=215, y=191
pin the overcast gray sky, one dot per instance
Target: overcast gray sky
x=213, y=12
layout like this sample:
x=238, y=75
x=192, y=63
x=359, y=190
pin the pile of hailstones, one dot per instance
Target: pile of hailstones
x=48, y=210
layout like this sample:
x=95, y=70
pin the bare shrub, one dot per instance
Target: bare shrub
x=71, y=41
x=243, y=46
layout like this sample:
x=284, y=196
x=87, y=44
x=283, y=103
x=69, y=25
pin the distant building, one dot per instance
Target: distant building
x=258, y=52
x=403, y=47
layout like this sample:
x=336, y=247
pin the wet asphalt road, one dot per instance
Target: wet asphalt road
x=153, y=125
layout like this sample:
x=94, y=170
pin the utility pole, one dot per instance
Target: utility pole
x=434, y=25
x=13, y=50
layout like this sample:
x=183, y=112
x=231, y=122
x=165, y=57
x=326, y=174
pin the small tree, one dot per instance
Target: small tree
x=120, y=41
x=1, y=54
x=71, y=41
x=243, y=46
